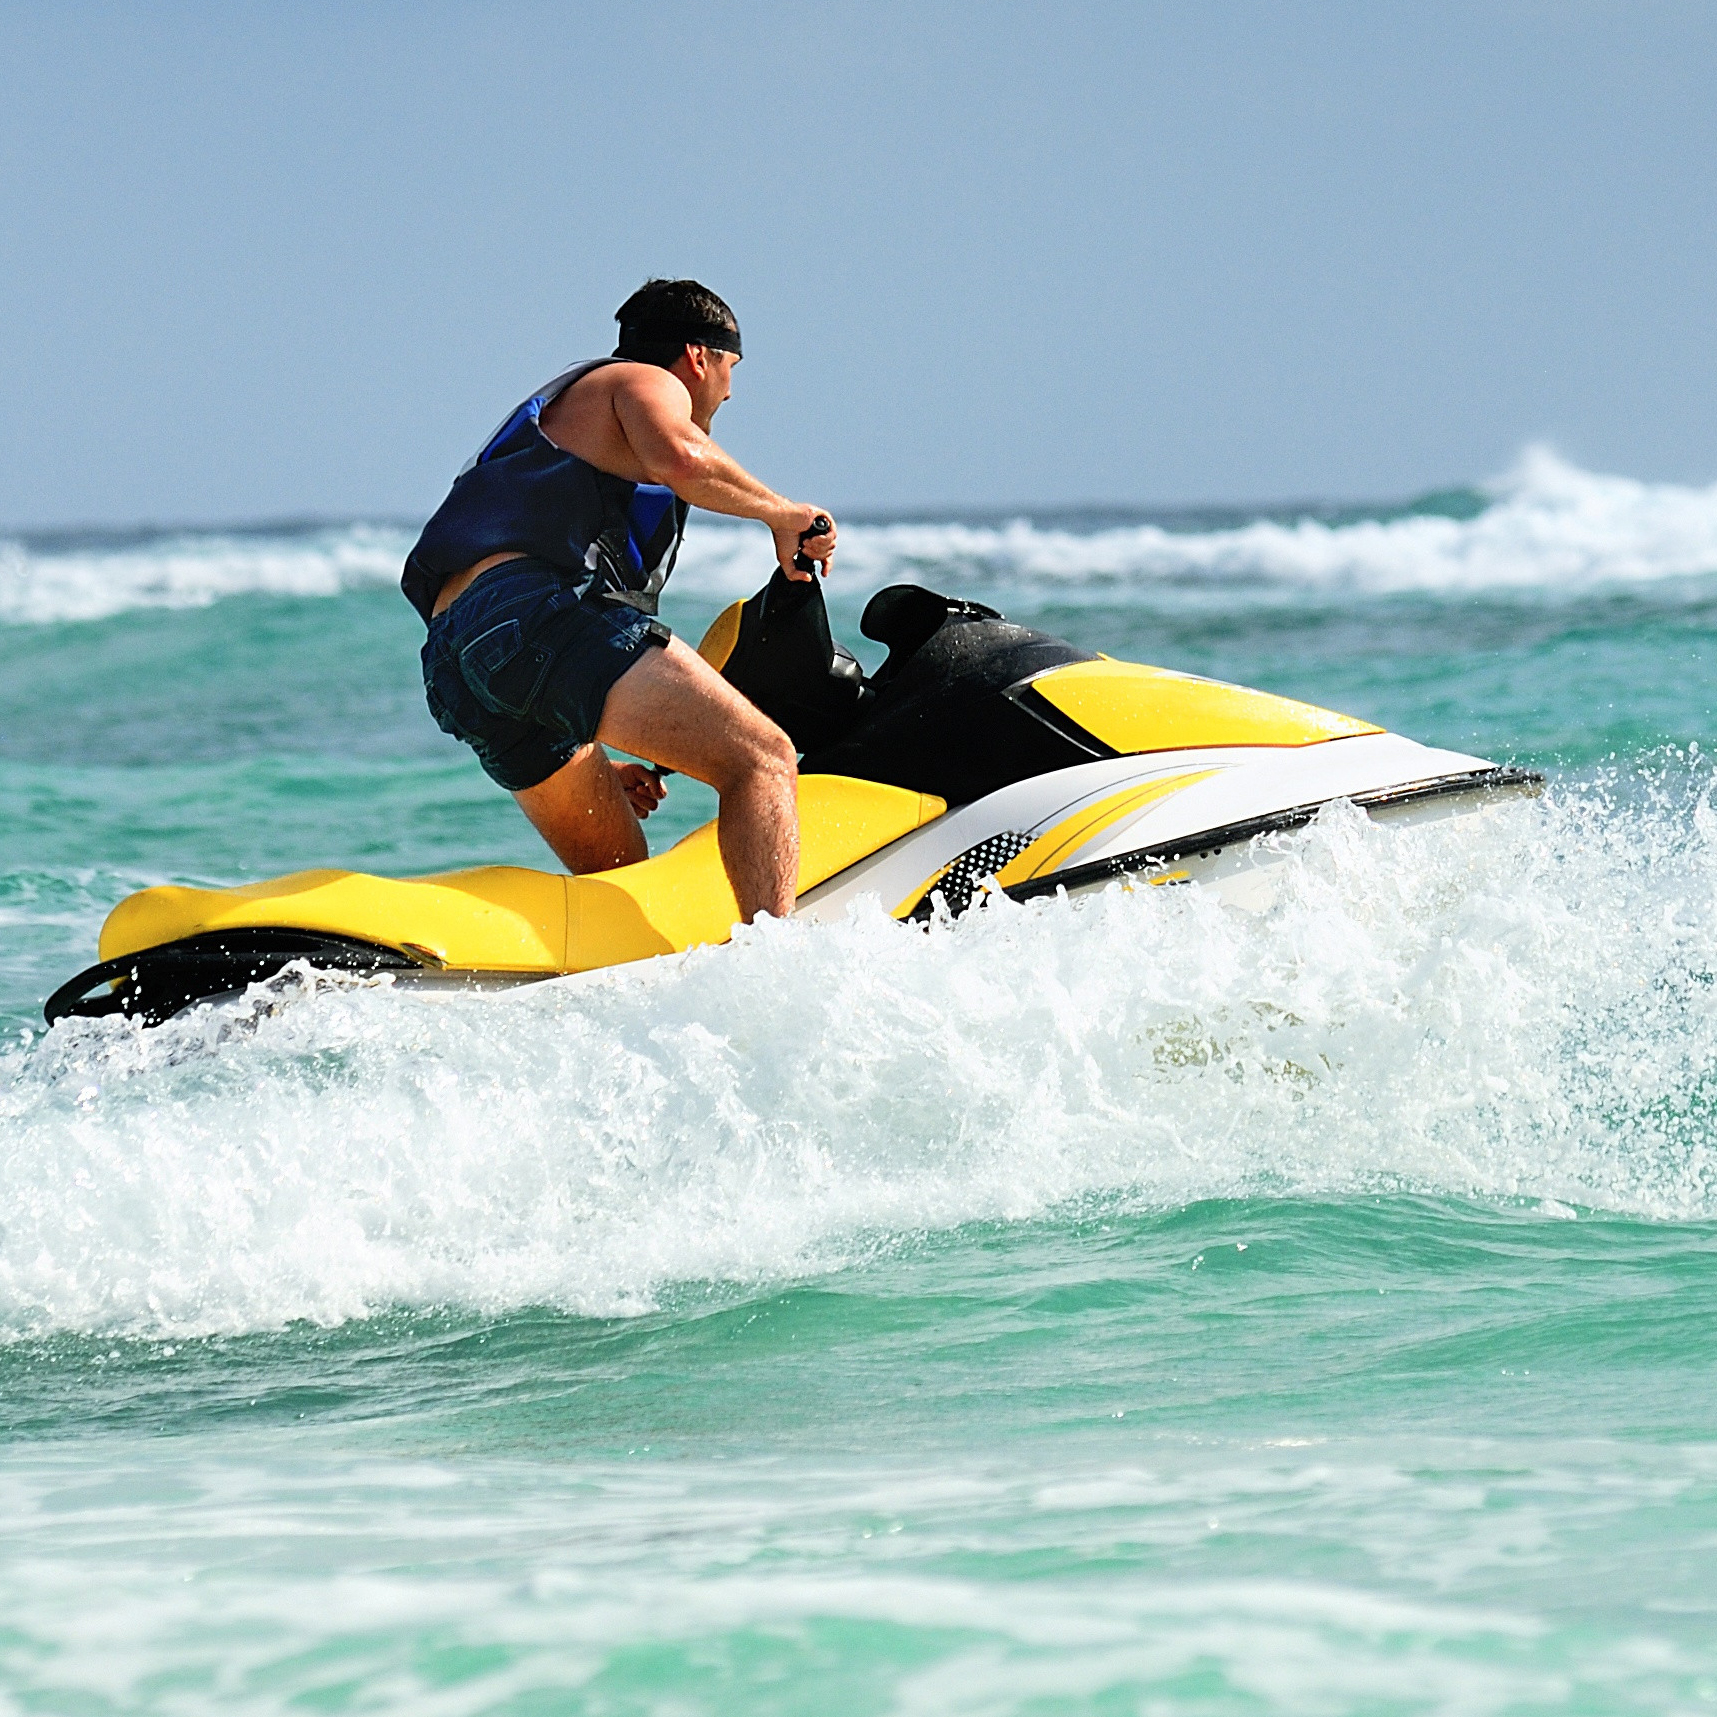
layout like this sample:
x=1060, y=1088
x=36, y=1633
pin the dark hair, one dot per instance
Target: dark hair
x=663, y=317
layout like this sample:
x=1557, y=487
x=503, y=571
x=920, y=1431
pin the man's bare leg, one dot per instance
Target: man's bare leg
x=672, y=707
x=582, y=812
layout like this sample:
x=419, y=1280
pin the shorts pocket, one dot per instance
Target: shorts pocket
x=503, y=670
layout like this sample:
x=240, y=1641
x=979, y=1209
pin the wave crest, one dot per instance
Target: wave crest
x=1547, y=525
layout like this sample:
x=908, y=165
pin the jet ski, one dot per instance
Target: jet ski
x=981, y=757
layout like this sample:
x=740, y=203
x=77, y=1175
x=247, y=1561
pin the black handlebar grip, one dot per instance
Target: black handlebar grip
x=802, y=562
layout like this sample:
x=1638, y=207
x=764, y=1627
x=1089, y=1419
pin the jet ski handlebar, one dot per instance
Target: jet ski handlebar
x=819, y=526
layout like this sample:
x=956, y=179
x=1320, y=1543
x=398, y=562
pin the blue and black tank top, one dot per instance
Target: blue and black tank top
x=521, y=493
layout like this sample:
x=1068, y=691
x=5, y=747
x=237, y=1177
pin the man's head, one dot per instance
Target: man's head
x=685, y=328
x=663, y=317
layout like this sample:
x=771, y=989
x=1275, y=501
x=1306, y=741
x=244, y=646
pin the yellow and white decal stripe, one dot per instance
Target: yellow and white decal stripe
x=1058, y=845
x=1049, y=852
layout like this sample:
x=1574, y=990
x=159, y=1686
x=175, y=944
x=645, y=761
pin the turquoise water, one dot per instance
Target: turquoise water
x=1125, y=1306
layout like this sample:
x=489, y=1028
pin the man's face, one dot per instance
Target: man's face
x=714, y=385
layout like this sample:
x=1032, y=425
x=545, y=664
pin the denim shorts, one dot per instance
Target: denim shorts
x=519, y=667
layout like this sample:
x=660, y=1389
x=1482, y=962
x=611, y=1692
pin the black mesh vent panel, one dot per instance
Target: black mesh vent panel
x=959, y=882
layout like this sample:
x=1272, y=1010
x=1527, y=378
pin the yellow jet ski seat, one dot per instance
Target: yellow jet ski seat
x=503, y=919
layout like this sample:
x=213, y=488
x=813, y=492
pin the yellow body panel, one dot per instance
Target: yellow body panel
x=682, y=898
x=498, y=919
x=1135, y=708
x=502, y=919
x=717, y=643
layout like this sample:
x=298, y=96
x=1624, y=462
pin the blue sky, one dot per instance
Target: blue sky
x=266, y=261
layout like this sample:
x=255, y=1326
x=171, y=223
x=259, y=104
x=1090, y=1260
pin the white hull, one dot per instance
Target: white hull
x=1176, y=836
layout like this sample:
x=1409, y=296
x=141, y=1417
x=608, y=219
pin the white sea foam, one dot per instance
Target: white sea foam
x=1550, y=526
x=191, y=569
x=957, y=1584
x=1516, y=1007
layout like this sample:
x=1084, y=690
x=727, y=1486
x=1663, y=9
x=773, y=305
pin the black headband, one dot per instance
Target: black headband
x=670, y=333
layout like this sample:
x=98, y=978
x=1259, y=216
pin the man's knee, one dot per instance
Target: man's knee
x=778, y=751
x=672, y=707
x=761, y=752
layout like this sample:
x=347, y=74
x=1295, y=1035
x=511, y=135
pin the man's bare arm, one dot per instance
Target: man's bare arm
x=655, y=415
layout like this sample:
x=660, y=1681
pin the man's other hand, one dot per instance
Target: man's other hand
x=643, y=790
x=787, y=534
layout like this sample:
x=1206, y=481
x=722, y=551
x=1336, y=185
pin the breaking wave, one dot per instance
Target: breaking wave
x=1546, y=525
x=59, y=579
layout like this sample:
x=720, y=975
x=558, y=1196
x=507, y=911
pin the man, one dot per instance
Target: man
x=538, y=577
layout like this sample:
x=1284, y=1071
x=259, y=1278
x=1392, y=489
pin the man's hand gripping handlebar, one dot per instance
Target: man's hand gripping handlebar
x=805, y=549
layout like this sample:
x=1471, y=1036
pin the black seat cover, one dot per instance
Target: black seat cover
x=951, y=716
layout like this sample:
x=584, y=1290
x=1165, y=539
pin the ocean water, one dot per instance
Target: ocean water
x=1120, y=1306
